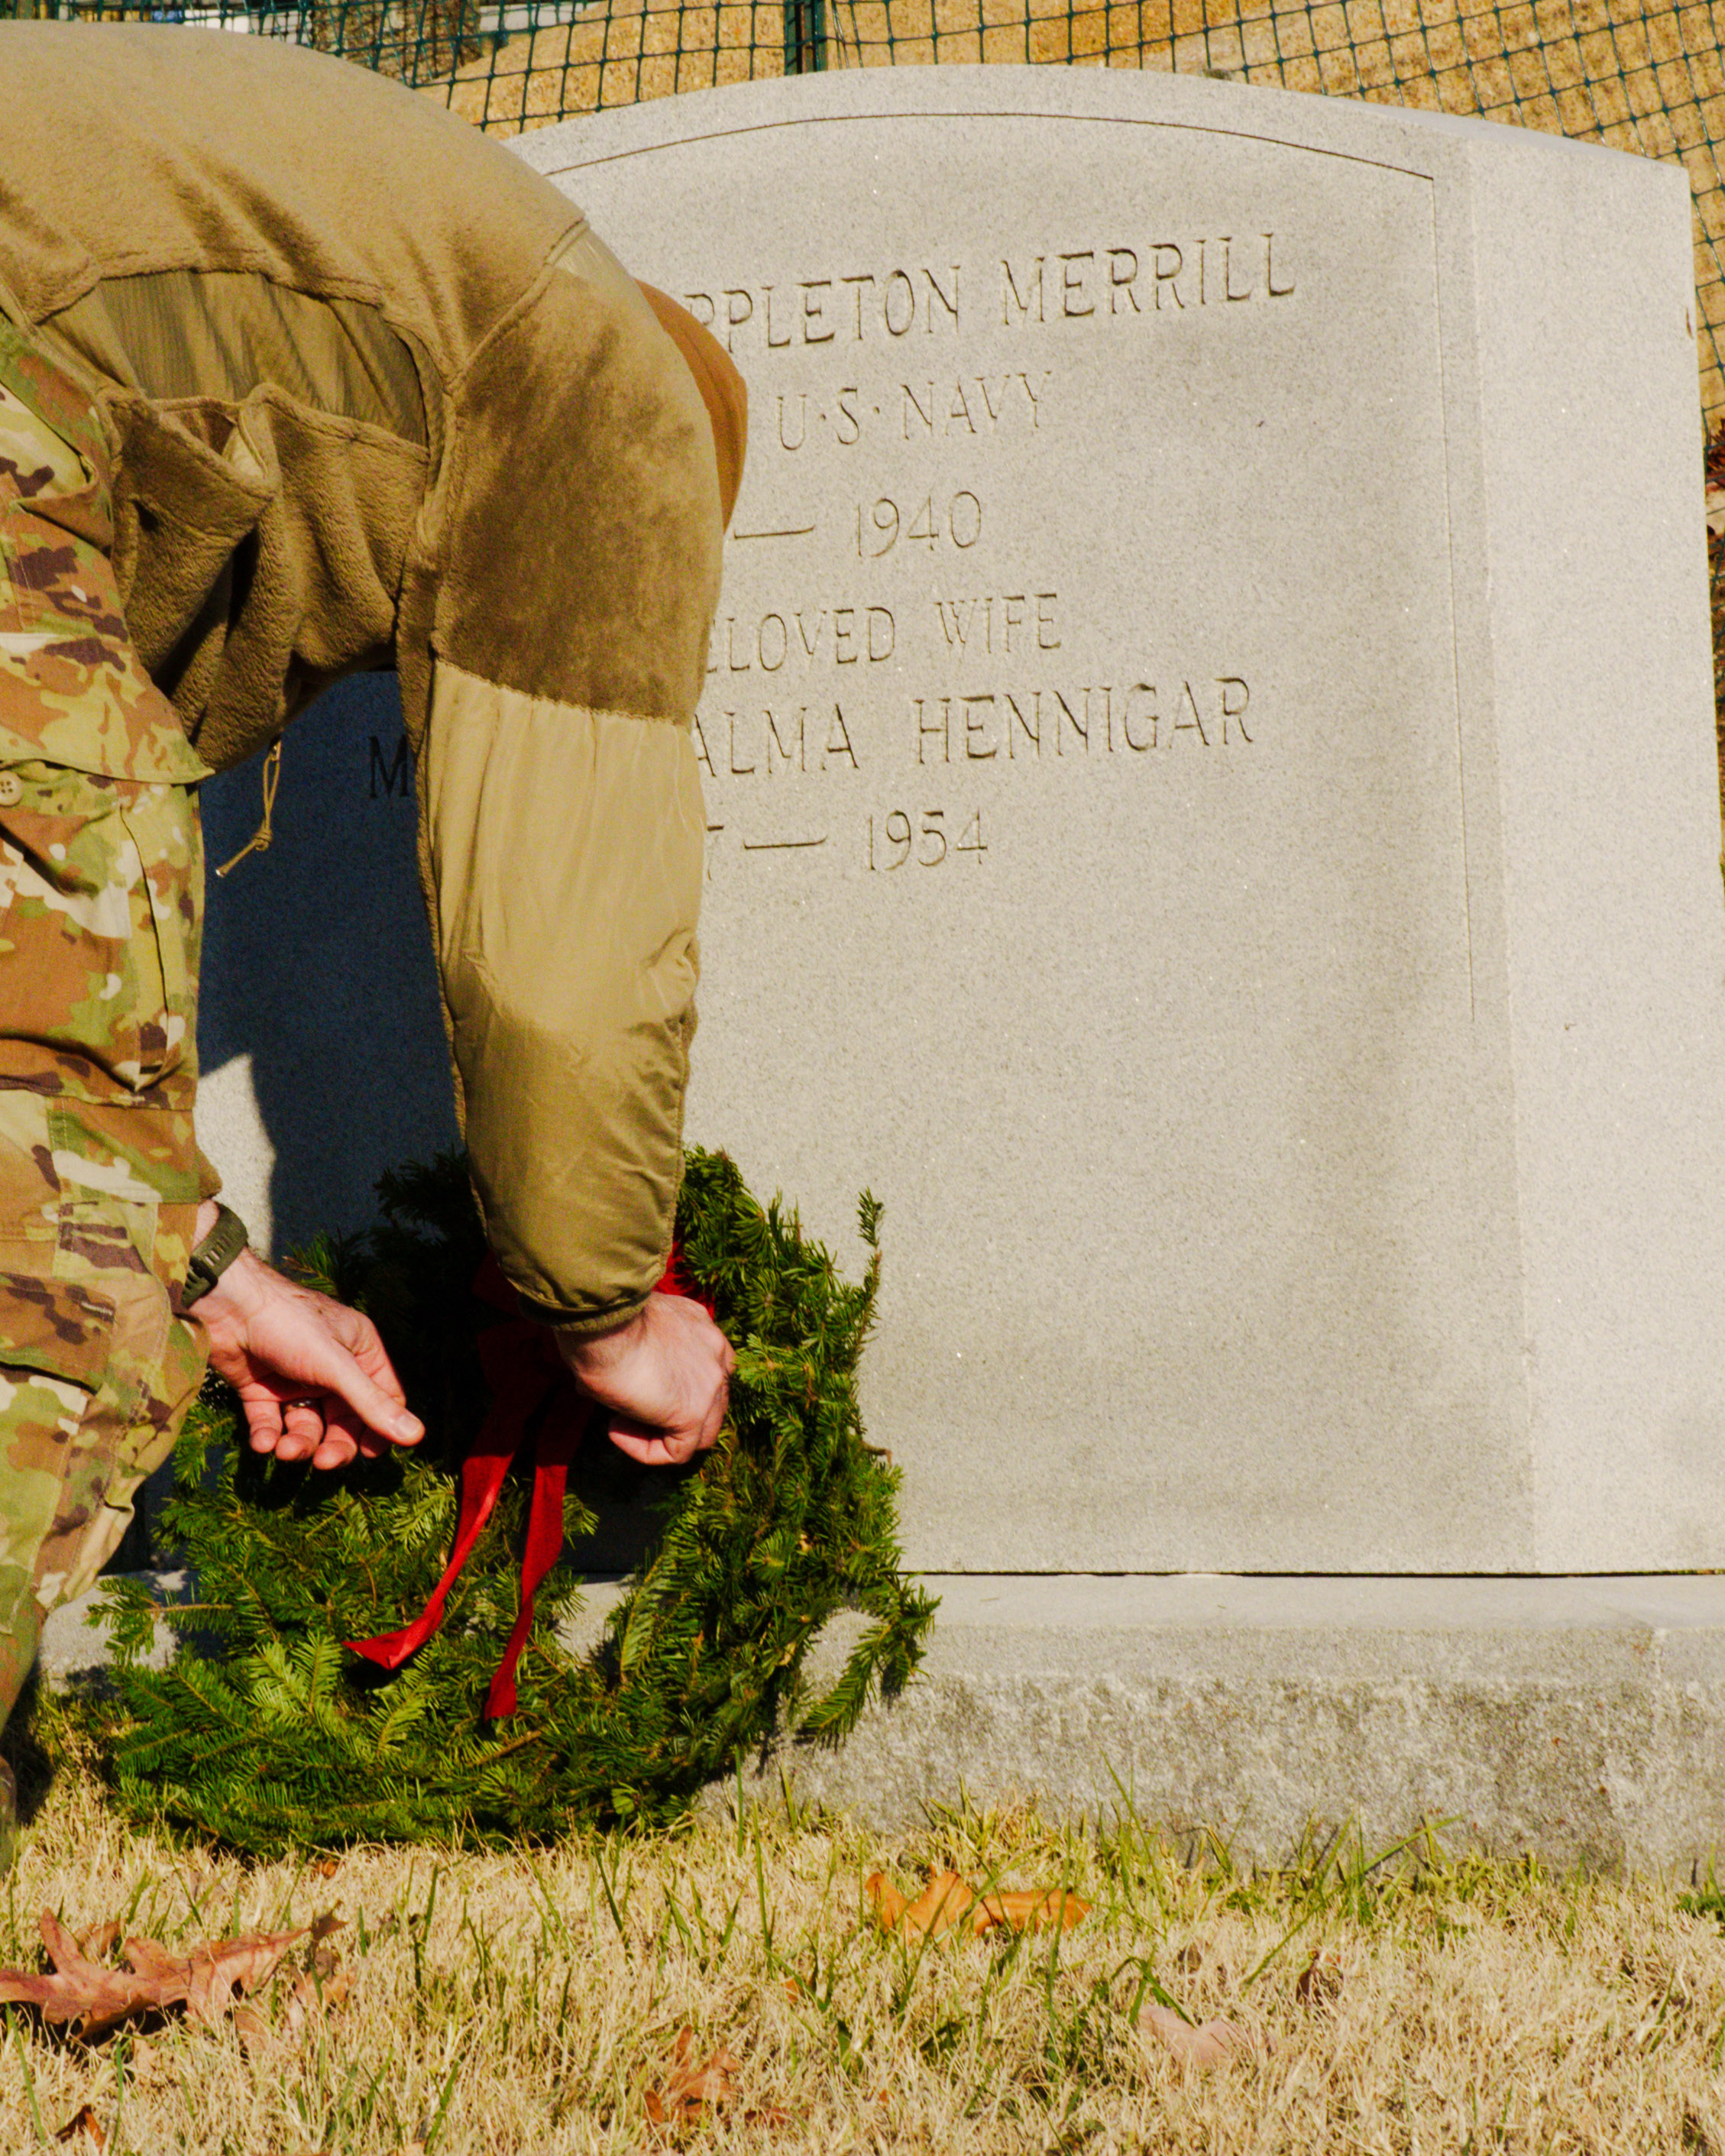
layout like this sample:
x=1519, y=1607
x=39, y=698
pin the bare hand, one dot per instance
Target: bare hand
x=312, y=1376
x=664, y=1379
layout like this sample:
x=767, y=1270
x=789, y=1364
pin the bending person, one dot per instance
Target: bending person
x=298, y=374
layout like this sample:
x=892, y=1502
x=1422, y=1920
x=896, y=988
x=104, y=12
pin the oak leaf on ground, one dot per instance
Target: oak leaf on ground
x=99, y=1940
x=203, y=1981
x=1032, y=1909
x=689, y=2088
x=948, y=1902
x=84, y=2129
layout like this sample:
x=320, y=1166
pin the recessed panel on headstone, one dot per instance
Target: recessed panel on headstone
x=1193, y=824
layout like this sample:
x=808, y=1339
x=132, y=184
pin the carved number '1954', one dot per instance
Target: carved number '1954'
x=897, y=841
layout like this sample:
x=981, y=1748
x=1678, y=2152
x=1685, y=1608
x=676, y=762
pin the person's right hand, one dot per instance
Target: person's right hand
x=313, y=1378
x=663, y=1380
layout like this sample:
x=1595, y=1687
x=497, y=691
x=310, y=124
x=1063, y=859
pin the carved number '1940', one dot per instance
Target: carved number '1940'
x=880, y=525
x=897, y=841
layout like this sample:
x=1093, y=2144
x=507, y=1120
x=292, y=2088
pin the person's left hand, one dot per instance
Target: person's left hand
x=662, y=1381
x=312, y=1376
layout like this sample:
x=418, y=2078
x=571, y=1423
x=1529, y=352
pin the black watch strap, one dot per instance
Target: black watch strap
x=213, y=1255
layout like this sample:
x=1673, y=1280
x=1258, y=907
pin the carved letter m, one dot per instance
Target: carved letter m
x=397, y=775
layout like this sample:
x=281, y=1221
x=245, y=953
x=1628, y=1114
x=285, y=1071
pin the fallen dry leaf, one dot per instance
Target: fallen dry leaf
x=85, y=2129
x=942, y=1905
x=149, y=1958
x=947, y=1902
x=99, y=1941
x=231, y=1965
x=326, y=1867
x=314, y=1992
x=1319, y=1984
x=688, y=2088
x=80, y=1989
x=890, y=1905
x=1031, y=1910
x=1205, y=2045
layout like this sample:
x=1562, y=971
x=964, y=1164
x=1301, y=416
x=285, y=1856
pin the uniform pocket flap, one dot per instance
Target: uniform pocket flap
x=55, y=1327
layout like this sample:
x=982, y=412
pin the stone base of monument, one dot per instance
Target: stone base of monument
x=1582, y=1720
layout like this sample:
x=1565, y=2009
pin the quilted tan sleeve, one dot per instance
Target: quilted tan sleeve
x=565, y=849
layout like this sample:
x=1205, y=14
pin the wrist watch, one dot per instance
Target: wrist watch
x=213, y=1255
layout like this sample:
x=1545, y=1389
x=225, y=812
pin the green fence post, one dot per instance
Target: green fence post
x=805, y=36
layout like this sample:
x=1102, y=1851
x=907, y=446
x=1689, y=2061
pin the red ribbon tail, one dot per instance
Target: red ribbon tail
x=522, y=1364
x=482, y=1473
x=559, y=1437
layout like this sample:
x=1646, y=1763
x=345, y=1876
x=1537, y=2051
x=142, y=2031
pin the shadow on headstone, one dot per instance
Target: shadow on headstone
x=318, y=979
x=320, y=1041
x=321, y=1044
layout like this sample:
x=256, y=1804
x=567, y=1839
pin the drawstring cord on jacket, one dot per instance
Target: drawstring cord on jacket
x=259, y=841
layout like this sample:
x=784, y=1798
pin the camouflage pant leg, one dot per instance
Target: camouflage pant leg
x=98, y=1200
x=100, y=899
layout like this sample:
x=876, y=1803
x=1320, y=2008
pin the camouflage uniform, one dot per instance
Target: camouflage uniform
x=100, y=899
x=268, y=419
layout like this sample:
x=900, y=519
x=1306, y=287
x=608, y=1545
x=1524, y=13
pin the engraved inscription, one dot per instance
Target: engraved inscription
x=1102, y=283
x=875, y=305
x=764, y=741
x=933, y=407
x=973, y=623
x=800, y=638
x=954, y=520
x=393, y=775
x=1033, y=723
x=927, y=843
x=990, y=628
x=1118, y=277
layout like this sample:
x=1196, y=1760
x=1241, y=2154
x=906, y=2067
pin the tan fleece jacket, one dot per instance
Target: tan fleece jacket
x=376, y=396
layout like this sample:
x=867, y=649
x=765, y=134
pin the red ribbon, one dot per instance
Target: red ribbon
x=526, y=1374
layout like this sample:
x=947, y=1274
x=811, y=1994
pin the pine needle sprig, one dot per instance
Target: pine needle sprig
x=264, y=1732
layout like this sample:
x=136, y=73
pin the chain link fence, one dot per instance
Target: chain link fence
x=1646, y=78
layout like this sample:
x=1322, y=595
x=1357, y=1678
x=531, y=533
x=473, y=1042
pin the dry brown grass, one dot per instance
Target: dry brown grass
x=530, y=2002
x=1610, y=71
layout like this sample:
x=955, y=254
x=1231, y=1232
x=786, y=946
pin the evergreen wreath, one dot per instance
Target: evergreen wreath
x=265, y=1733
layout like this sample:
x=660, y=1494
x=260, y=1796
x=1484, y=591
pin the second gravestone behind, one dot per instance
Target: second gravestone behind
x=1208, y=775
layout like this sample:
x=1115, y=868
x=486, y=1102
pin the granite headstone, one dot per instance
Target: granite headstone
x=1211, y=812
